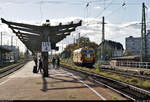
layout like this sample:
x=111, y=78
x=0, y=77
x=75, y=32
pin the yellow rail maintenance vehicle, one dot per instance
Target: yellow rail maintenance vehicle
x=84, y=57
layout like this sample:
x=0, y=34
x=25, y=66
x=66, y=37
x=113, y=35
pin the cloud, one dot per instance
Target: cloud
x=51, y=2
x=97, y=7
x=117, y=32
x=6, y=36
x=60, y=2
x=149, y=9
x=76, y=3
x=134, y=24
x=33, y=1
x=15, y=1
x=92, y=28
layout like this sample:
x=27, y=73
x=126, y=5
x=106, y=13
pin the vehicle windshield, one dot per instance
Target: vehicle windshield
x=90, y=51
x=84, y=51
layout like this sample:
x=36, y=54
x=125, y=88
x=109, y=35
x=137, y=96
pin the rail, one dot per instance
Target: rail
x=130, y=91
x=124, y=73
x=9, y=69
x=131, y=64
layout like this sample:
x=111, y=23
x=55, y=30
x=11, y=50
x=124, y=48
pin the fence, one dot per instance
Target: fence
x=131, y=64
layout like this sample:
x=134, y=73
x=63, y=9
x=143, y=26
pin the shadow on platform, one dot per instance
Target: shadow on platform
x=45, y=82
x=44, y=89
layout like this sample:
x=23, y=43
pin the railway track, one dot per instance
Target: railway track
x=9, y=69
x=125, y=74
x=129, y=91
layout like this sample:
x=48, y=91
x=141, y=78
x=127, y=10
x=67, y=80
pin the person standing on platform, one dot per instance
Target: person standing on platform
x=58, y=62
x=53, y=62
x=35, y=60
x=35, y=67
x=40, y=65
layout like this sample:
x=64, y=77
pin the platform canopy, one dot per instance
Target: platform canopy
x=33, y=35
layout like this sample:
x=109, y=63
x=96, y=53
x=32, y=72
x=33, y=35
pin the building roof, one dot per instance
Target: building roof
x=148, y=31
x=113, y=44
x=131, y=37
x=126, y=58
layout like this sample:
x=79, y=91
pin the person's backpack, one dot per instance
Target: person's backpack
x=35, y=69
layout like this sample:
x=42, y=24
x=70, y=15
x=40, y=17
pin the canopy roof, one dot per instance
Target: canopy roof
x=33, y=35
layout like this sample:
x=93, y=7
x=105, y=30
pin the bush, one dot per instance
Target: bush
x=127, y=80
x=115, y=77
x=146, y=84
x=115, y=98
x=135, y=73
x=134, y=81
x=147, y=73
x=97, y=66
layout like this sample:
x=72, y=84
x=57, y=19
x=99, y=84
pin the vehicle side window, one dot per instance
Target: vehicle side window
x=90, y=51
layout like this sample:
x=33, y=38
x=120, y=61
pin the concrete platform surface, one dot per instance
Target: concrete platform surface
x=61, y=85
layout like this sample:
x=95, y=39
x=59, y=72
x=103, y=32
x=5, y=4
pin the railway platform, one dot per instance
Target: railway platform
x=60, y=85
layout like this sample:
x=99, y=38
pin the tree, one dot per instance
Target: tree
x=80, y=43
x=93, y=45
x=68, y=50
x=127, y=53
x=108, y=52
x=83, y=41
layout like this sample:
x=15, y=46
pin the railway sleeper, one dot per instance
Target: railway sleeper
x=141, y=91
x=131, y=91
x=126, y=89
x=133, y=94
x=139, y=95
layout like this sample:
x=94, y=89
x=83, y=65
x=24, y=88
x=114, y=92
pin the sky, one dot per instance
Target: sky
x=122, y=17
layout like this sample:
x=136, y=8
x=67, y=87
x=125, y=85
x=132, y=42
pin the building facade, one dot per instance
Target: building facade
x=4, y=54
x=111, y=49
x=133, y=44
x=14, y=54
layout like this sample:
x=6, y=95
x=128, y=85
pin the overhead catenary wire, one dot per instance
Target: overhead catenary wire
x=41, y=13
x=88, y=3
x=148, y=14
x=7, y=34
x=104, y=9
x=124, y=28
x=119, y=3
x=115, y=11
x=119, y=8
x=2, y=12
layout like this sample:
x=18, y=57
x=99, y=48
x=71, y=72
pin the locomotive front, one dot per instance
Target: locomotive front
x=88, y=57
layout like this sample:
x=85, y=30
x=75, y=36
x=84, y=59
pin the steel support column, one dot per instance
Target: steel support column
x=45, y=64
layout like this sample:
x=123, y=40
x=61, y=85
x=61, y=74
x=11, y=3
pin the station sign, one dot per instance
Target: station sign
x=46, y=46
